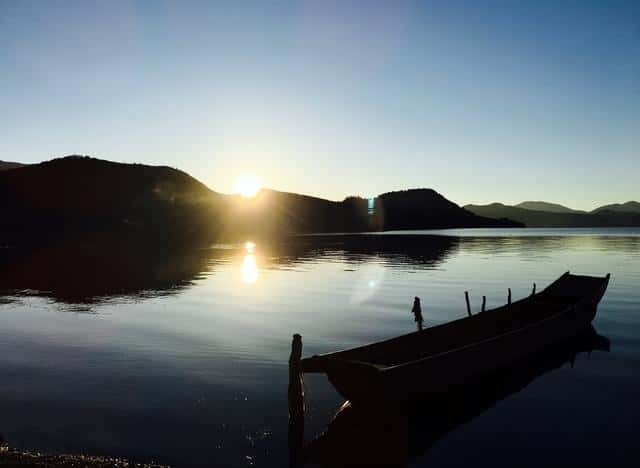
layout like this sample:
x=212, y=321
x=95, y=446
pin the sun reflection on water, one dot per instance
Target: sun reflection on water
x=249, y=268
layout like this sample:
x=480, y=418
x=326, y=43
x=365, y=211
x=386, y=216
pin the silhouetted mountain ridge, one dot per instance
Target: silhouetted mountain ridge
x=7, y=165
x=273, y=212
x=78, y=196
x=427, y=209
x=75, y=196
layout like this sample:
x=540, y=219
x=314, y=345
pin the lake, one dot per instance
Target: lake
x=181, y=356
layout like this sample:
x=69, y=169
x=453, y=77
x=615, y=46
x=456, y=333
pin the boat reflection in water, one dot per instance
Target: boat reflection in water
x=392, y=434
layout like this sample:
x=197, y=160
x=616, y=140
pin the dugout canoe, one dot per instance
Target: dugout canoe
x=388, y=435
x=439, y=358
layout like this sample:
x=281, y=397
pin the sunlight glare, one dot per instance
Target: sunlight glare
x=248, y=185
x=249, y=269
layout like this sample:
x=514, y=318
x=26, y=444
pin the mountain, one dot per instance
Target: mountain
x=272, y=213
x=79, y=197
x=427, y=209
x=532, y=218
x=6, y=165
x=628, y=207
x=545, y=206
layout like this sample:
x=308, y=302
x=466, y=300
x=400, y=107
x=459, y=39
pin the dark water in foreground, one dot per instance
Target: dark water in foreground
x=182, y=357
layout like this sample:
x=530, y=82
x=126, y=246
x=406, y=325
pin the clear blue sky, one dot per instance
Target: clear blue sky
x=483, y=101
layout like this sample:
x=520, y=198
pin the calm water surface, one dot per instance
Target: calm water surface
x=181, y=357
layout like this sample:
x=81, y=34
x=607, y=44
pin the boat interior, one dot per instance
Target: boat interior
x=565, y=291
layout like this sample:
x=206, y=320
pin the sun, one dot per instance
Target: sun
x=248, y=185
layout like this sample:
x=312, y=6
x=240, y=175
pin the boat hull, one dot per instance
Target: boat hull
x=387, y=434
x=360, y=381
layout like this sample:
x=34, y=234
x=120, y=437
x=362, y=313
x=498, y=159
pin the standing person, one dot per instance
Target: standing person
x=417, y=312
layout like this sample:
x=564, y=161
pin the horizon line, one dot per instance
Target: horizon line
x=337, y=200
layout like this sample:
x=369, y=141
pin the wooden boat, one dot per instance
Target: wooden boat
x=443, y=357
x=385, y=435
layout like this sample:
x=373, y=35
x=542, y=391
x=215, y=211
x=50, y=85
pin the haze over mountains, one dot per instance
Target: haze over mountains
x=78, y=197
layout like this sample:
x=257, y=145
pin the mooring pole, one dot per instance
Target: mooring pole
x=296, y=404
x=533, y=291
x=509, y=297
x=466, y=297
x=484, y=302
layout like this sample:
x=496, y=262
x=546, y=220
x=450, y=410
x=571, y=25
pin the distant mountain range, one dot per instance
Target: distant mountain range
x=600, y=217
x=548, y=207
x=78, y=197
x=628, y=207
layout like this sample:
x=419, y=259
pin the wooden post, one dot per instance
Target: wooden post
x=484, y=302
x=509, y=297
x=296, y=404
x=466, y=297
x=533, y=291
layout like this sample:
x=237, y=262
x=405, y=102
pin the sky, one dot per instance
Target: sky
x=481, y=100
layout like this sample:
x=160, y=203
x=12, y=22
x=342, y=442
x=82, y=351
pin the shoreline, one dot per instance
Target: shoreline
x=27, y=458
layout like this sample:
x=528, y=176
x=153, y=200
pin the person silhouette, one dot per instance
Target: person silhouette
x=417, y=312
